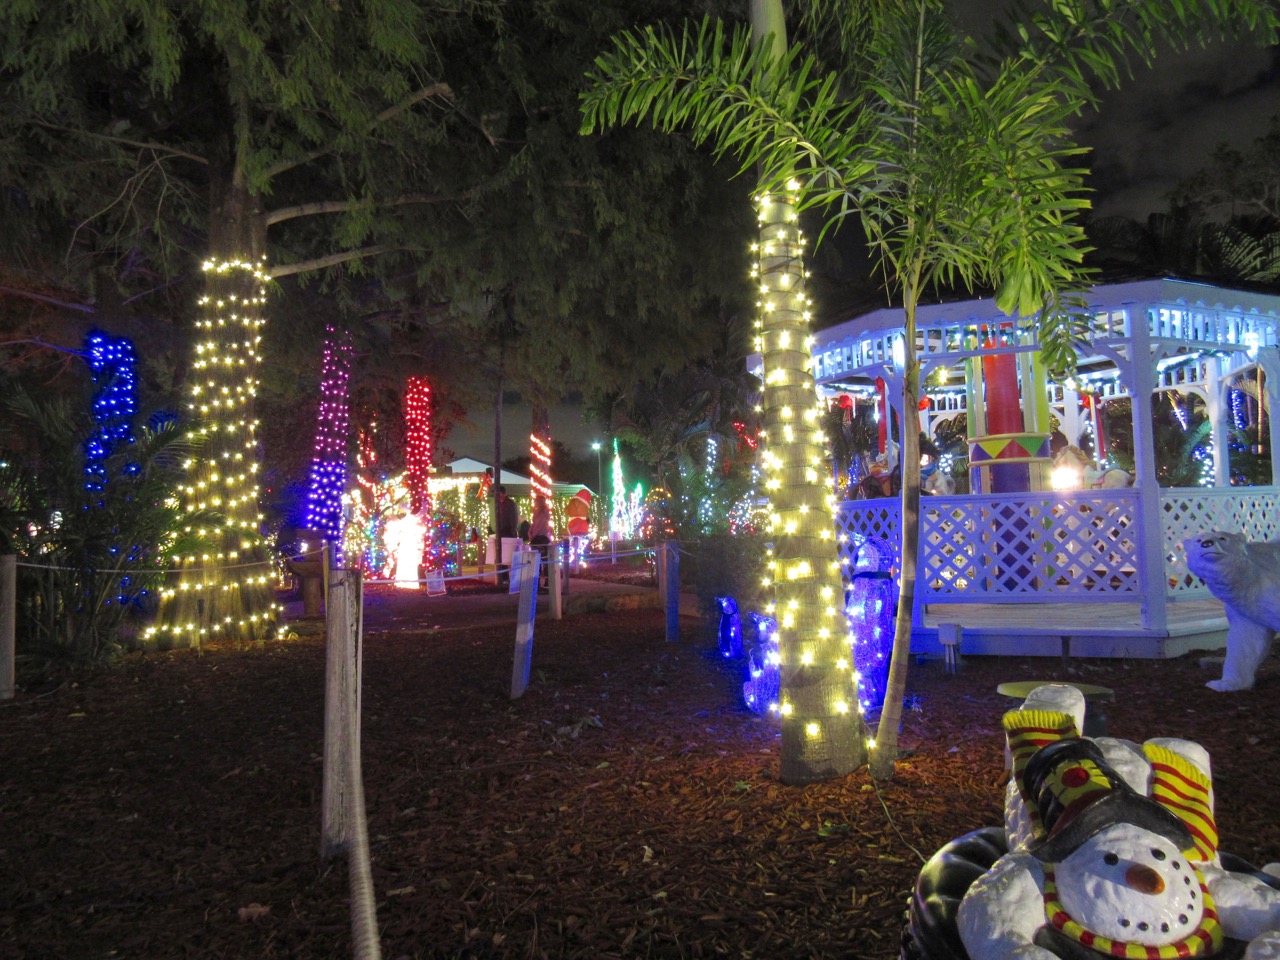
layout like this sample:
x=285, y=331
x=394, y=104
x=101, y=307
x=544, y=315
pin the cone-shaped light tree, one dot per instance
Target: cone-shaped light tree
x=958, y=164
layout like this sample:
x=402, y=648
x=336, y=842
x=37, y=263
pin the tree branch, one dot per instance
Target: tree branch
x=140, y=144
x=331, y=260
x=43, y=299
x=441, y=90
x=342, y=206
x=36, y=341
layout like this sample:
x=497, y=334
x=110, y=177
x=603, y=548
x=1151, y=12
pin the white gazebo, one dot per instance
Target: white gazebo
x=1090, y=572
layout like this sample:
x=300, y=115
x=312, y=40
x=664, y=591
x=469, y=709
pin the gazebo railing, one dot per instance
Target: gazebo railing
x=1015, y=548
x=1070, y=546
x=1188, y=511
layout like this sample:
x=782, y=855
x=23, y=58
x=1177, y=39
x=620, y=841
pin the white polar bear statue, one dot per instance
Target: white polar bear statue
x=1246, y=578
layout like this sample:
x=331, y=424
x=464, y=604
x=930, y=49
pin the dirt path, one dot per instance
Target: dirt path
x=625, y=807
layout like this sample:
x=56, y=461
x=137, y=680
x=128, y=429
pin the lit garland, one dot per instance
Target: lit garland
x=540, y=466
x=707, y=507
x=369, y=507
x=823, y=734
x=114, y=367
x=751, y=513
x=225, y=587
x=617, y=520
x=329, y=456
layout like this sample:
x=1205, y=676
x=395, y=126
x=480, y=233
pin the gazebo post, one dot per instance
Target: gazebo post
x=1141, y=378
x=1215, y=387
x=1269, y=361
x=1070, y=424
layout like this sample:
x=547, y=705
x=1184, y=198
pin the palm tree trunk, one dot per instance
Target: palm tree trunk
x=823, y=735
x=884, y=753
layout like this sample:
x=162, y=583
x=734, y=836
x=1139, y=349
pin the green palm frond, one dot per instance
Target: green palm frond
x=1094, y=44
x=1229, y=251
x=777, y=116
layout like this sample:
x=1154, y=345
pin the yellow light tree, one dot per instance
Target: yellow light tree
x=823, y=735
x=223, y=588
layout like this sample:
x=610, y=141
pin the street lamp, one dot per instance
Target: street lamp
x=596, y=445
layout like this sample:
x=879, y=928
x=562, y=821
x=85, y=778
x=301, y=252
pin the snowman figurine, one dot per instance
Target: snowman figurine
x=1113, y=853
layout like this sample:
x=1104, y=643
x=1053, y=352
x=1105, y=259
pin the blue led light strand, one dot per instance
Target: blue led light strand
x=114, y=365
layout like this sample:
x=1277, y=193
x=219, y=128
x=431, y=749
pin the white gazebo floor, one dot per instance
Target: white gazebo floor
x=1074, y=629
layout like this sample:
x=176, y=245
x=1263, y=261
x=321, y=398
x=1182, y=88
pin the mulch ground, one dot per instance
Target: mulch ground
x=626, y=806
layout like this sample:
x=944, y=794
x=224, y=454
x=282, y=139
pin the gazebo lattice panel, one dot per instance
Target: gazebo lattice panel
x=1188, y=513
x=1031, y=547
x=864, y=519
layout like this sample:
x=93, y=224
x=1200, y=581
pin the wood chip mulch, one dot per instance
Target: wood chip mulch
x=626, y=806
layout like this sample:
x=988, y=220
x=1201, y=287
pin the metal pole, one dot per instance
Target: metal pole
x=553, y=582
x=671, y=583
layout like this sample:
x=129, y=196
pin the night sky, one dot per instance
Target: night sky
x=1164, y=124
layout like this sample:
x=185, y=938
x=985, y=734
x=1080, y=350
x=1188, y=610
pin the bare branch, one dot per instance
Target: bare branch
x=440, y=90
x=43, y=299
x=342, y=206
x=36, y=341
x=140, y=144
x=331, y=260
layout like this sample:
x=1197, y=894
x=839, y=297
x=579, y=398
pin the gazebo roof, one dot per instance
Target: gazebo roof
x=1187, y=315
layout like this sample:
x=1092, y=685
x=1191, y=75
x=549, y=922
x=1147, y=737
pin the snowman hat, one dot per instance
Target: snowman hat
x=1078, y=794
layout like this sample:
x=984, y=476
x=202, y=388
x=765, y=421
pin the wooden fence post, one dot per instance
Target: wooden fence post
x=344, y=623
x=525, y=564
x=8, y=624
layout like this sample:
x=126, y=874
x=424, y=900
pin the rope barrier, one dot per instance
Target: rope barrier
x=364, y=911
x=585, y=558
x=138, y=570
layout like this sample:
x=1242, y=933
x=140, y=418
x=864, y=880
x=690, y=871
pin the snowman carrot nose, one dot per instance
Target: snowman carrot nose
x=1143, y=879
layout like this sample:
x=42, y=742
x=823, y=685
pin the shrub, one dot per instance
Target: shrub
x=88, y=559
x=721, y=564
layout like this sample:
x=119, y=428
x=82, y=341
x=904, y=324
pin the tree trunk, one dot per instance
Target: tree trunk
x=540, y=460
x=497, y=442
x=822, y=732
x=884, y=753
x=823, y=735
x=224, y=587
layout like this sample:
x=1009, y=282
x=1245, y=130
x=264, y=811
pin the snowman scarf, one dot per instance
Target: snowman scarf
x=1205, y=941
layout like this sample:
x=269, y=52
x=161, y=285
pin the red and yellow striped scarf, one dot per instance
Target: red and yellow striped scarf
x=1205, y=941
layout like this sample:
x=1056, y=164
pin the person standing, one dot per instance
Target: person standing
x=540, y=534
x=508, y=527
x=508, y=515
